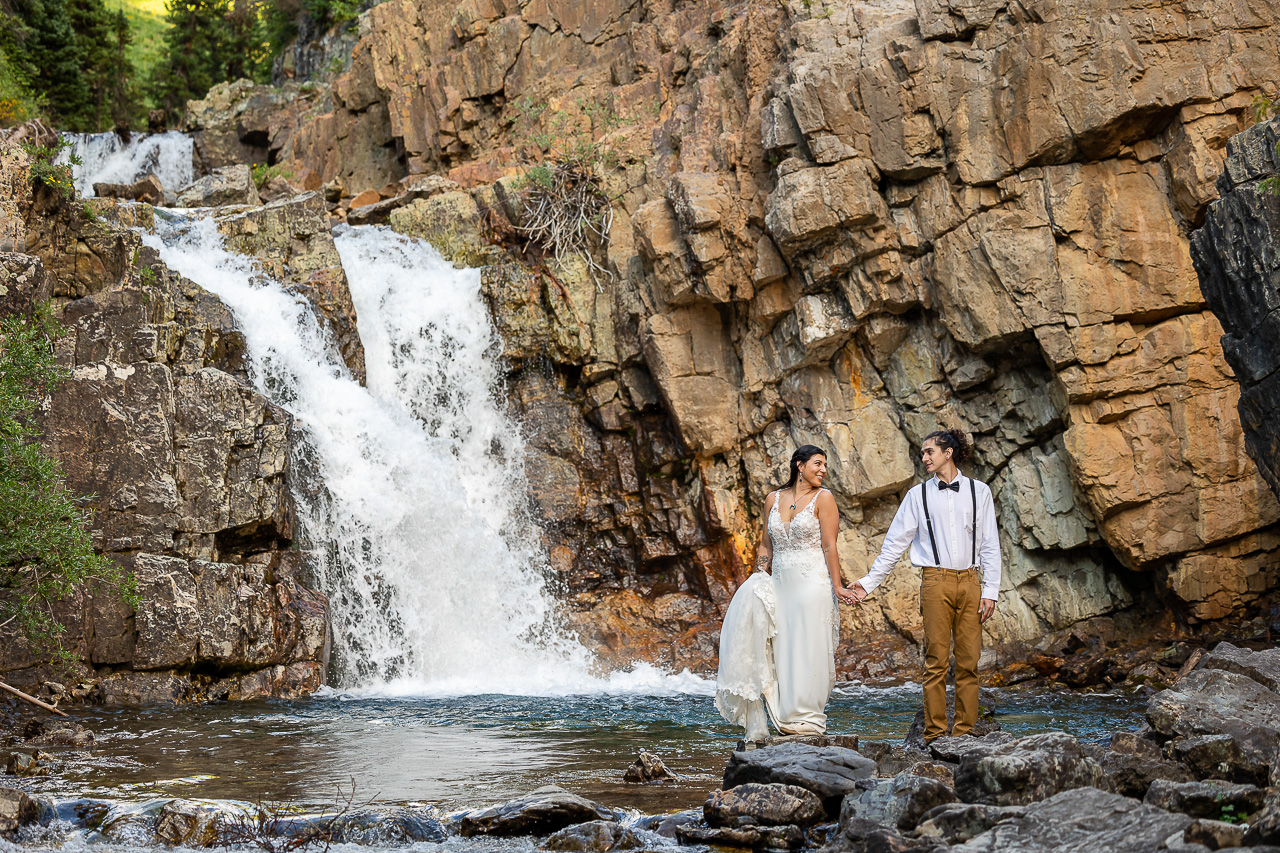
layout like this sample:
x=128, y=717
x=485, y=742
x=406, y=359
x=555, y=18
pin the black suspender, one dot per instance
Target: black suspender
x=928, y=521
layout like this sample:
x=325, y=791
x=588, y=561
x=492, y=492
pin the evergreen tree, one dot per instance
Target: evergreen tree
x=197, y=47
x=102, y=38
x=50, y=55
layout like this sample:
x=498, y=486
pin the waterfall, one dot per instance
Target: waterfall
x=432, y=567
x=106, y=159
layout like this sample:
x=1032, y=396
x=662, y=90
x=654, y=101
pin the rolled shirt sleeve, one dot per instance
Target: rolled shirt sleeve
x=896, y=542
x=989, y=545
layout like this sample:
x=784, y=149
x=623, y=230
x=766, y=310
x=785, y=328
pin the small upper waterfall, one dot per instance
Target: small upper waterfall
x=108, y=159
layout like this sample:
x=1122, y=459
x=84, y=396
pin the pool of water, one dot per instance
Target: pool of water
x=460, y=752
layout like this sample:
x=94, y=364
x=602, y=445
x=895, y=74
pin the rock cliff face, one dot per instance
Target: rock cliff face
x=1235, y=255
x=845, y=224
x=186, y=464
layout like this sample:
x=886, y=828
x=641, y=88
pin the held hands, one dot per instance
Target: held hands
x=851, y=595
x=986, y=607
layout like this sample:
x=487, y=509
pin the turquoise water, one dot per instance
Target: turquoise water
x=460, y=752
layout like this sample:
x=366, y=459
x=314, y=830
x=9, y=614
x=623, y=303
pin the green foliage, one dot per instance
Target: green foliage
x=263, y=173
x=45, y=171
x=17, y=100
x=45, y=550
x=1230, y=815
x=73, y=57
x=330, y=12
x=148, y=276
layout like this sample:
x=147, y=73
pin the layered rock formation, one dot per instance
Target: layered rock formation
x=1234, y=254
x=842, y=224
x=185, y=465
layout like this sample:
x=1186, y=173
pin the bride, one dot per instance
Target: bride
x=778, y=640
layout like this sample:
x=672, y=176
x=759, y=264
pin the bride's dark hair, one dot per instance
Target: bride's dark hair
x=803, y=454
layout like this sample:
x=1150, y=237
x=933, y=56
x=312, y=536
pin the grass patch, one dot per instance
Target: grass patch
x=146, y=22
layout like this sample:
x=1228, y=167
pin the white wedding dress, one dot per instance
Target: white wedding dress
x=779, y=637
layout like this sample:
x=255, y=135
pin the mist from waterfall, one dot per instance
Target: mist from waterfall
x=410, y=490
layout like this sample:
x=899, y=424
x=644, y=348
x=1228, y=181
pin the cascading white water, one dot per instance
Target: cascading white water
x=106, y=159
x=429, y=561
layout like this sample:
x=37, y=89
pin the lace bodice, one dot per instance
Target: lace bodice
x=802, y=533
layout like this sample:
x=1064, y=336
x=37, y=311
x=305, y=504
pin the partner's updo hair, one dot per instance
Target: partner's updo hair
x=956, y=440
x=803, y=454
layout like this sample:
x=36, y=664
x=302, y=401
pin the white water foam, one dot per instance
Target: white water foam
x=107, y=159
x=430, y=563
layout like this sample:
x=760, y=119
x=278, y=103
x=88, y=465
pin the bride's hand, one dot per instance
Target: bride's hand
x=845, y=594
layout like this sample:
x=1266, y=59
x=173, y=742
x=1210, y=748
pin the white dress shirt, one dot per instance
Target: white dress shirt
x=952, y=514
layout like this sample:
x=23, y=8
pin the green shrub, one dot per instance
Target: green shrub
x=1264, y=108
x=45, y=171
x=45, y=550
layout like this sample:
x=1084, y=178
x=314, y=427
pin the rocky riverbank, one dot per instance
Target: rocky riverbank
x=1202, y=772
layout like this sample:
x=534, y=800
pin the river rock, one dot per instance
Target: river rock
x=383, y=827
x=665, y=825
x=1264, y=827
x=1214, y=834
x=1210, y=799
x=1082, y=819
x=647, y=768
x=547, y=809
x=958, y=822
x=16, y=810
x=1132, y=763
x=1262, y=666
x=953, y=749
x=986, y=724
x=1224, y=724
x=830, y=772
x=189, y=823
x=1026, y=770
x=765, y=804
x=147, y=189
x=596, y=836
x=899, y=802
x=859, y=835
x=755, y=837
x=226, y=186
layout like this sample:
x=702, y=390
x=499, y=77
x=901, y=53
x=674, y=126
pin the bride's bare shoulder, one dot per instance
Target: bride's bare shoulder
x=769, y=499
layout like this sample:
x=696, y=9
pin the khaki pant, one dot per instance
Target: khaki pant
x=949, y=603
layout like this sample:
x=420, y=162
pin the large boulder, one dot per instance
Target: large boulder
x=830, y=772
x=594, y=836
x=899, y=802
x=221, y=187
x=146, y=189
x=955, y=823
x=754, y=837
x=765, y=804
x=1133, y=763
x=1213, y=799
x=16, y=810
x=1082, y=819
x=859, y=835
x=1264, y=828
x=1027, y=770
x=1222, y=724
x=547, y=809
x=1262, y=666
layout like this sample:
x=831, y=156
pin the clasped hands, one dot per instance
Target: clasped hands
x=856, y=595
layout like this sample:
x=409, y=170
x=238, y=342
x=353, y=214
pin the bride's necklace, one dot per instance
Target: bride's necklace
x=795, y=499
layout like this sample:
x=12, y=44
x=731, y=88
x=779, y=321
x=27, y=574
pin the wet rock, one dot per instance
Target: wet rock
x=1225, y=725
x=940, y=771
x=955, y=823
x=1214, y=834
x=596, y=836
x=859, y=835
x=665, y=825
x=1081, y=819
x=755, y=837
x=1264, y=827
x=58, y=733
x=221, y=187
x=899, y=802
x=766, y=804
x=647, y=768
x=147, y=189
x=292, y=240
x=189, y=823
x=1026, y=770
x=1212, y=799
x=16, y=810
x=548, y=809
x=830, y=772
x=451, y=223
x=846, y=741
x=953, y=749
x=28, y=764
x=383, y=827
x=891, y=759
x=1133, y=763
x=378, y=211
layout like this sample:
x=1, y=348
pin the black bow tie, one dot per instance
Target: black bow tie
x=954, y=485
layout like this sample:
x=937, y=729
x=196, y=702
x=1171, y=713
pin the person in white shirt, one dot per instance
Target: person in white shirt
x=949, y=524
